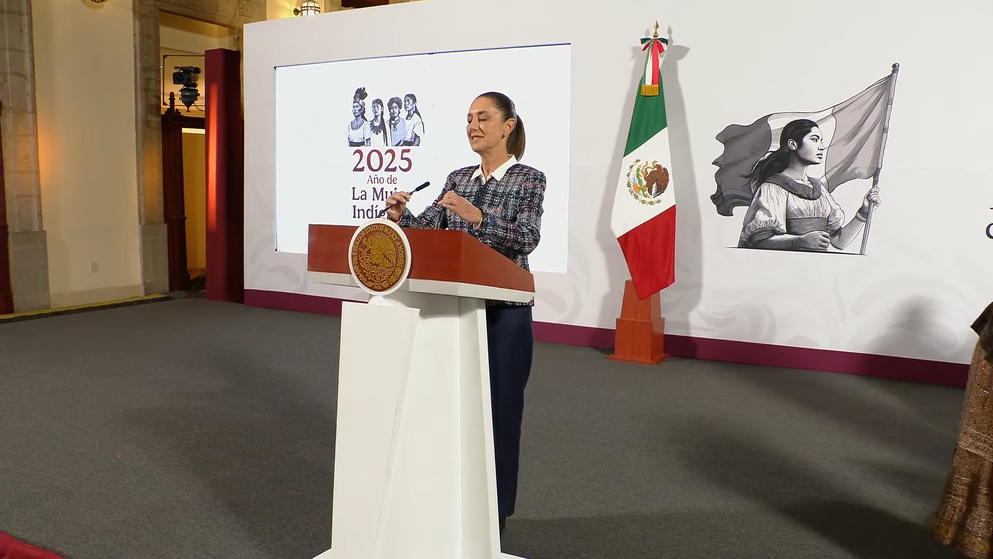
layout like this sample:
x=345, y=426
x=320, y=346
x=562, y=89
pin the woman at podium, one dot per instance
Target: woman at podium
x=499, y=201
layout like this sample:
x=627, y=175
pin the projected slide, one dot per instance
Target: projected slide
x=350, y=133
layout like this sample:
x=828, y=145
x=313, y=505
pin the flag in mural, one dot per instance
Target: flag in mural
x=644, y=213
x=853, y=131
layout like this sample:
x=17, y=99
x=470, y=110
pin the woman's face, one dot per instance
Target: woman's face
x=377, y=110
x=408, y=104
x=485, y=126
x=356, y=110
x=811, y=149
x=394, y=110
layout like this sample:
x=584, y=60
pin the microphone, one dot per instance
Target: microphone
x=418, y=189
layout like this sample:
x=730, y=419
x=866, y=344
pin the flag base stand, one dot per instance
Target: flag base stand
x=640, y=334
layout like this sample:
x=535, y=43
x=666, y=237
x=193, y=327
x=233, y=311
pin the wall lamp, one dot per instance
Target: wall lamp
x=308, y=8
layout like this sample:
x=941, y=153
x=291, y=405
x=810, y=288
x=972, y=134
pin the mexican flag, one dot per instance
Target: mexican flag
x=644, y=213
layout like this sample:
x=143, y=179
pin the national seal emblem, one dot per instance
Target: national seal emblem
x=647, y=181
x=379, y=257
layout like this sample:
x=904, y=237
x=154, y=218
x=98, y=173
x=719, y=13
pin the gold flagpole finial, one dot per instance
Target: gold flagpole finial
x=652, y=89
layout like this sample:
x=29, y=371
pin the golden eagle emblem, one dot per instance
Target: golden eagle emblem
x=647, y=181
x=379, y=257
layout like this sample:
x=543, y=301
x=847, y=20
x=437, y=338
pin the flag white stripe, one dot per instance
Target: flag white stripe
x=629, y=213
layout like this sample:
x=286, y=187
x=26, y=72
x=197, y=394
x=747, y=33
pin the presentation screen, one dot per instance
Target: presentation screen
x=350, y=133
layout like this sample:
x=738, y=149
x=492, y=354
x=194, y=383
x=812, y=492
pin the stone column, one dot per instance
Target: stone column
x=28, y=243
x=148, y=133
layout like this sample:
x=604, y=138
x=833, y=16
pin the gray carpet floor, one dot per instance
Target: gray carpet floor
x=196, y=429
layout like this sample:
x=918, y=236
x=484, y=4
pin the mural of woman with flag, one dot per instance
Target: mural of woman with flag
x=791, y=210
x=767, y=166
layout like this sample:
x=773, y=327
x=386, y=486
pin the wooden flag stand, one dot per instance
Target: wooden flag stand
x=640, y=334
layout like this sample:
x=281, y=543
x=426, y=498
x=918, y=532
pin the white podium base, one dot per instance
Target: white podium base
x=414, y=474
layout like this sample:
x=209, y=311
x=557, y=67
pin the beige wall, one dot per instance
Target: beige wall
x=85, y=83
x=185, y=34
x=195, y=198
x=279, y=9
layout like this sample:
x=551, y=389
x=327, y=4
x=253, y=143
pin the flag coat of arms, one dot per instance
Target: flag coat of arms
x=644, y=214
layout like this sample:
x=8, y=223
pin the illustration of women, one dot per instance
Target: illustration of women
x=377, y=126
x=398, y=126
x=415, y=125
x=793, y=211
x=358, y=128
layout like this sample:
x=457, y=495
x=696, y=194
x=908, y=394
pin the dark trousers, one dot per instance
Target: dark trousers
x=510, y=336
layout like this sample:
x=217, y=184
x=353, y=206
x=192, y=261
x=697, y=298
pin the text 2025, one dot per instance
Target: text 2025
x=386, y=161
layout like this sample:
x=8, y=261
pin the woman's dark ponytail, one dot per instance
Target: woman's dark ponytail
x=516, y=140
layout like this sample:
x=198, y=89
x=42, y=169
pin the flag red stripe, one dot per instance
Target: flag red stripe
x=650, y=251
x=655, y=66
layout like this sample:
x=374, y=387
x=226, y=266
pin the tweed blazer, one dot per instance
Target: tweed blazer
x=511, y=206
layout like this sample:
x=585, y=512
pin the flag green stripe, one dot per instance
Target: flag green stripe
x=647, y=119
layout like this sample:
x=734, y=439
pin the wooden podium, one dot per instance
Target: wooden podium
x=414, y=471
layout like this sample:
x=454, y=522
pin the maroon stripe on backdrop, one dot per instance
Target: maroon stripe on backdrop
x=766, y=355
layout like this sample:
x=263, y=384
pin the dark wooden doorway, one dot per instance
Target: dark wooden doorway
x=6, y=289
x=174, y=194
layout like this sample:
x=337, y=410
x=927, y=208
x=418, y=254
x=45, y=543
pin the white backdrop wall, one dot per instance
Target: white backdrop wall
x=924, y=277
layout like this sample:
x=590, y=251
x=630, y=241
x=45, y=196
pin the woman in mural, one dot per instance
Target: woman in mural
x=963, y=516
x=377, y=127
x=793, y=211
x=358, y=128
x=398, y=126
x=415, y=125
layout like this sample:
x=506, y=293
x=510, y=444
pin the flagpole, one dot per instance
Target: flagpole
x=882, y=149
x=639, y=335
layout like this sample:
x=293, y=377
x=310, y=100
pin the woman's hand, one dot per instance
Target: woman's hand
x=461, y=207
x=815, y=240
x=396, y=205
x=871, y=200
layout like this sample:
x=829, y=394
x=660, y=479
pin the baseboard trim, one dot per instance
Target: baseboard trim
x=95, y=296
x=31, y=315
x=749, y=353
